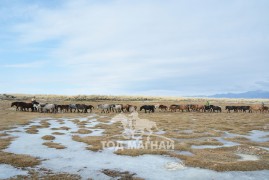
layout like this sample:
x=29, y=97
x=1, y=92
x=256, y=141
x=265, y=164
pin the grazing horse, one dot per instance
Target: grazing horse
x=105, y=108
x=149, y=108
x=17, y=104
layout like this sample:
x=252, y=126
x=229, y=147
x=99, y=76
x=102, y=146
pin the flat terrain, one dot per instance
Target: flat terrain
x=215, y=141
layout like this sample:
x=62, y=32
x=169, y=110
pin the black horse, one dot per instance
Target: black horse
x=23, y=106
x=17, y=104
x=149, y=108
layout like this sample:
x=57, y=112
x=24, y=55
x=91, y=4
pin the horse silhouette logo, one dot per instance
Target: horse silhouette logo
x=135, y=127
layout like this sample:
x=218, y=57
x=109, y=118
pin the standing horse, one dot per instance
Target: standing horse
x=256, y=108
x=163, y=108
x=149, y=108
x=52, y=108
x=71, y=107
x=105, y=108
x=117, y=108
x=17, y=104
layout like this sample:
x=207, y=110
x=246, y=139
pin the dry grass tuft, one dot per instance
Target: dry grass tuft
x=120, y=175
x=48, y=137
x=139, y=152
x=31, y=131
x=5, y=142
x=18, y=160
x=83, y=131
x=54, y=145
x=61, y=128
x=58, y=133
x=93, y=141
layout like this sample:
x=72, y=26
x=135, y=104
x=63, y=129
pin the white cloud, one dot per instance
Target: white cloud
x=36, y=64
x=149, y=46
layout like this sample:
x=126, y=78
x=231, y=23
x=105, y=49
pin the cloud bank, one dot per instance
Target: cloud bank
x=134, y=47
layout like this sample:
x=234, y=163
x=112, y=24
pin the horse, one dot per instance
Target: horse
x=132, y=108
x=26, y=106
x=63, y=108
x=126, y=107
x=117, y=108
x=149, y=108
x=198, y=107
x=183, y=107
x=52, y=108
x=173, y=107
x=105, y=108
x=255, y=108
x=163, y=107
x=17, y=104
x=90, y=107
x=265, y=109
x=216, y=109
x=72, y=106
x=81, y=107
x=39, y=106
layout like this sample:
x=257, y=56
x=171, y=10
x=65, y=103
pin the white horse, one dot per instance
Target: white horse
x=105, y=108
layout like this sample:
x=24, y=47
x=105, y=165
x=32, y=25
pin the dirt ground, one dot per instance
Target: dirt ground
x=187, y=129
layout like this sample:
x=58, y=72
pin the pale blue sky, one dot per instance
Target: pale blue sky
x=147, y=47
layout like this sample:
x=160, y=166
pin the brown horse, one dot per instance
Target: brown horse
x=256, y=108
x=197, y=107
x=125, y=108
x=173, y=107
x=265, y=109
x=163, y=108
x=183, y=108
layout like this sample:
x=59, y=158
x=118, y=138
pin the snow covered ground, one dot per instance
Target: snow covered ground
x=76, y=159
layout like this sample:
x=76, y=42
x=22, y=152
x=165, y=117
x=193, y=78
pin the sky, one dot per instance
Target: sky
x=134, y=47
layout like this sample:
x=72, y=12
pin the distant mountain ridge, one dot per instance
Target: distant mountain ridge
x=249, y=94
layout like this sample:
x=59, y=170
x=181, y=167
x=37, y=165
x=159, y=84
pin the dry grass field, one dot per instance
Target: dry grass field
x=189, y=130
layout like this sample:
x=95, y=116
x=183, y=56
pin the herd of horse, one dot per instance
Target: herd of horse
x=107, y=108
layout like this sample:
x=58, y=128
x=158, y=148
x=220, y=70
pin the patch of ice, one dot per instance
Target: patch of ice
x=247, y=157
x=258, y=136
x=186, y=153
x=172, y=166
x=160, y=132
x=220, y=139
x=7, y=171
x=75, y=159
